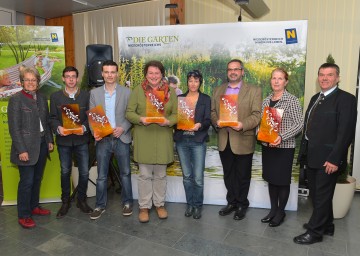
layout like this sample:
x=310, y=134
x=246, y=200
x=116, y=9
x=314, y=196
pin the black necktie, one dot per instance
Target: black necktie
x=312, y=111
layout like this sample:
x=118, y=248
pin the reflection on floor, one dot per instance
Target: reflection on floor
x=114, y=234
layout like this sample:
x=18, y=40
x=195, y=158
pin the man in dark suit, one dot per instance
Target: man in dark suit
x=114, y=99
x=71, y=143
x=236, y=144
x=329, y=129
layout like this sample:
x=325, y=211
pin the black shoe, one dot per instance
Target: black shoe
x=197, y=213
x=276, y=221
x=64, y=208
x=189, y=211
x=228, y=209
x=83, y=206
x=240, y=214
x=267, y=219
x=307, y=238
x=329, y=231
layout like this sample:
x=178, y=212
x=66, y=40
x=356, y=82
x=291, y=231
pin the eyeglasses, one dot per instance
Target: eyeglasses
x=234, y=69
x=30, y=80
x=70, y=77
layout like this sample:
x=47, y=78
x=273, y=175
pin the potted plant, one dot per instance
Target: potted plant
x=344, y=192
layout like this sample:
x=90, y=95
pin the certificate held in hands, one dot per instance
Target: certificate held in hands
x=98, y=122
x=71, y=120
x=155, y=107
x=186, y=113
x=270, y=124
x=228, y=110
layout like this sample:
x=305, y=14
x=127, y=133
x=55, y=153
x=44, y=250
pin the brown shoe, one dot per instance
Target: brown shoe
x=144, y=215
x=162, y=213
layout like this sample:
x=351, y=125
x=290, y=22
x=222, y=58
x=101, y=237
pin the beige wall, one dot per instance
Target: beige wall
x=333, y=27
x=100, y=26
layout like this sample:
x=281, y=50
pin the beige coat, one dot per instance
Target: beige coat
x=249, y=113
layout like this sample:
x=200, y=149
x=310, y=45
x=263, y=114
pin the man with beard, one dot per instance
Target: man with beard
x=236, y=144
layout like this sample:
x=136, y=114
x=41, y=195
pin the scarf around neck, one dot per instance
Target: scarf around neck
x=164, y=86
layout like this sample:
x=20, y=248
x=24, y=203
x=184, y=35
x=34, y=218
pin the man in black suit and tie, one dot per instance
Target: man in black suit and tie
x=329, y=129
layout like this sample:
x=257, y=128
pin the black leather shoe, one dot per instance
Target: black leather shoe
x=189, y=211
x=307, y=238
x=197, y=213
x=329, y=231
x=240, y=214
x=82, y=204
x=267, y=219
x=64, y=208
x=276, y=221
x=228, y=209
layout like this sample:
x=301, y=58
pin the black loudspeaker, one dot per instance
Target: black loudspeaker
x=96, y=54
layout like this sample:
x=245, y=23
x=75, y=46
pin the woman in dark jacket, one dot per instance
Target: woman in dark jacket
x=191, y=145
x=28, y=119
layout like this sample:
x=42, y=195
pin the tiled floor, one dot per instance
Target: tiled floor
x=114, y=234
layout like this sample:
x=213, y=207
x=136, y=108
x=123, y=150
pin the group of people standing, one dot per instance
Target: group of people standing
x=328, y=131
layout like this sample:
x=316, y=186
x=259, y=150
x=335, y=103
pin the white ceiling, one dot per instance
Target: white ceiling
x=57, y=8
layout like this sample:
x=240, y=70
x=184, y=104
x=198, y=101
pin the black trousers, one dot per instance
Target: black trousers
x=237, y=176
x=322, y=187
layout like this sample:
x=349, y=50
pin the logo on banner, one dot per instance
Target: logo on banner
x=291, y=36
x=54, y=37
x=150, y=41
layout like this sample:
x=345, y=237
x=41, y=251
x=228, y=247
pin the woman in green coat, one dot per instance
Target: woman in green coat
x=153, y=139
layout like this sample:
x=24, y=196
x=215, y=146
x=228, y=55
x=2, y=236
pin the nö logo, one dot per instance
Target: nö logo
x=54, y=37
x=291, y=36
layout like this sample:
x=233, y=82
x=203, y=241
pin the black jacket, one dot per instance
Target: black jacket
x=331, y=131
x=202, y=115
x=60, y=98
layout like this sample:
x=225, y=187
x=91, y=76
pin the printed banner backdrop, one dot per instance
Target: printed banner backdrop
x=262, y=46
x=41, y=47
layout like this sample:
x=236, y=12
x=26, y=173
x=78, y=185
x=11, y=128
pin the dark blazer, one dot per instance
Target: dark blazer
x=60, y=98
x=97, y=97
x=202, y=116
x=24, y=115
x=249, y=113
x=331, y=130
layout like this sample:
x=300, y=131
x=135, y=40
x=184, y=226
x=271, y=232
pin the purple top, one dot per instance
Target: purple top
x=233, y=90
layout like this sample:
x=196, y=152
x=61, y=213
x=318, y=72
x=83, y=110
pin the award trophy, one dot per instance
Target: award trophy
x=98, y=122
x=71, y=119
x=155, y=107
x=270, y=124
x=228, y=110
x=186, y=113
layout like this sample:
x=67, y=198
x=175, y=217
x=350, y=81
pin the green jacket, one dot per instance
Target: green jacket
x=153, y=144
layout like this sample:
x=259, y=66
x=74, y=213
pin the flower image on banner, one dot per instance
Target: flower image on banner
x=262, y=46
x=40, y=47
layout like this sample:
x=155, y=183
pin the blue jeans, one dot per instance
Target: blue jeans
x=82, y=157
x=29, y=184
x=104, y=150
x=192, y=160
